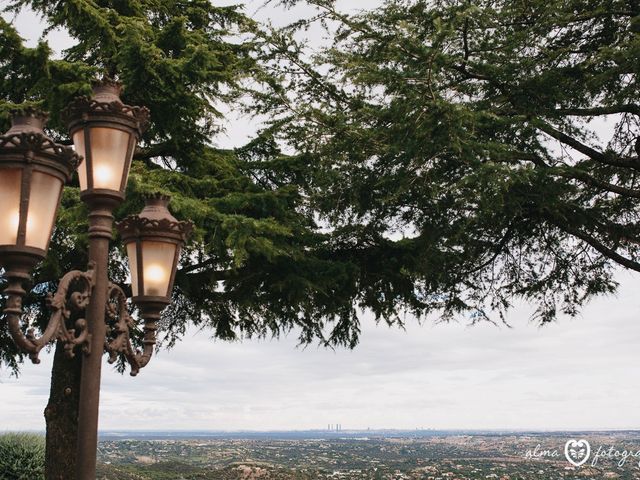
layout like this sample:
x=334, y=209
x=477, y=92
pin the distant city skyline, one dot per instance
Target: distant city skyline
x=534, y=457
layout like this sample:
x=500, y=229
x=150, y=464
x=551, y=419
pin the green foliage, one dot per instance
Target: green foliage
x=260, y=264
x=467, y=141
x=443, y=156
x=21, y=456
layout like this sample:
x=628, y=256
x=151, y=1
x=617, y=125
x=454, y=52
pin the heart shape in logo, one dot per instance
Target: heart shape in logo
x=577, y=451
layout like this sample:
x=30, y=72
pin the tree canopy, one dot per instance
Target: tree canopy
x=261, y=262
x=444, y=157
x=489, y=148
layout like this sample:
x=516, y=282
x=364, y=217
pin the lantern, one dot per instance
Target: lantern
x=105, y=131
x=153, y=240
x=33, y=171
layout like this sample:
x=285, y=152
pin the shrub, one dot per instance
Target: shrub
x=21, y=456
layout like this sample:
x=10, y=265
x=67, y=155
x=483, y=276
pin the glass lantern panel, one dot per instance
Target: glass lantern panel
x=109, y=148
x=78, y=142
x=10, y=180
x=157, y=265
x=133, y=267
x=43, y=206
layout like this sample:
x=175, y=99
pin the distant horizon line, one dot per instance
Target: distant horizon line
x=372, y=429
x=357, y=430
x=363, y=430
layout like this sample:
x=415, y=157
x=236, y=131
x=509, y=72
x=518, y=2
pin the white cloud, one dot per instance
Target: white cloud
x=573, y=374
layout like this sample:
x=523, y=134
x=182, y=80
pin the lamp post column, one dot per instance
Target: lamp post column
x=100, y=231
x=104, y=131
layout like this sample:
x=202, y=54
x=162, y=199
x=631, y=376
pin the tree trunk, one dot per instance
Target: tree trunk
x=61, y=416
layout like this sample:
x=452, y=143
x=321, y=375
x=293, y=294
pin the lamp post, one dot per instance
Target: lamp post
x=33, y=170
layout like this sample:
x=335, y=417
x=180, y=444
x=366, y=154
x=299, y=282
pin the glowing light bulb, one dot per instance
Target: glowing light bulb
x=14, y=220
x=32, y=227
x=155, y=279
x=14, y=223
x=9, y=233
x=102, y=176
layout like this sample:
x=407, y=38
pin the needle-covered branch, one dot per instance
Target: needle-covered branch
x=468, y=133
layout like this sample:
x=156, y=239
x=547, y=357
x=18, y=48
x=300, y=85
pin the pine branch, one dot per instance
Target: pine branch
x=572, y=174
x=497, y=251
x=205, y=276
x=631, y=162
x=473, y=75
x=594, y=182
x=595, y=111
x=163, y=149
x=598, y=246
x=197, y=266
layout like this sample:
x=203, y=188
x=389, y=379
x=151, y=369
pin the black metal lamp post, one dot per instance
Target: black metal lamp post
x=33, y=170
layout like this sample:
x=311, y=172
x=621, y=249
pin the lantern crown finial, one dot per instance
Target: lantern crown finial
x=27, y=120
x=27, y=135
x=156, y=207
x=155, y=219
x=107, y=90
x=105, y=105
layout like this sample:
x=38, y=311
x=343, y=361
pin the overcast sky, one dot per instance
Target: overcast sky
x=575, y=374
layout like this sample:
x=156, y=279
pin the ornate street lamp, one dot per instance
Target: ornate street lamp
x=105, y=131
x=153, y=239
x=33, y=170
